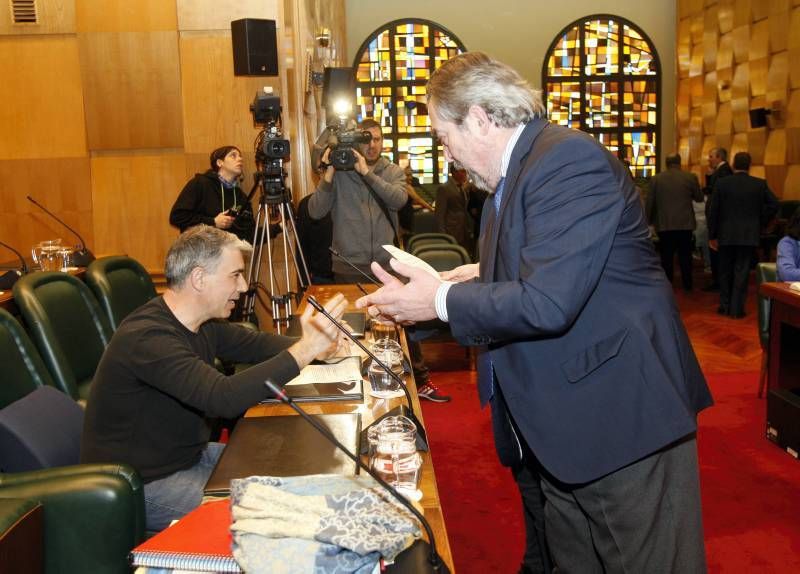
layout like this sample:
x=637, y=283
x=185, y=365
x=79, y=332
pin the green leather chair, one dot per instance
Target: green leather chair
x=121, y=285
x=421, y=239
x=443, y=256
x=765, y=273
x=23, y=370
x=66, y=323
x=93, y=514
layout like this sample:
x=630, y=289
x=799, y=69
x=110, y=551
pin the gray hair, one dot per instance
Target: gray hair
x=476, y=79
x=198, y=246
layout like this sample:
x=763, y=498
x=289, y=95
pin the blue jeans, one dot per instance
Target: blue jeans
x=174, y=496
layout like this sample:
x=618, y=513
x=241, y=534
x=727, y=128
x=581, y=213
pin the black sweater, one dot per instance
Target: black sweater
x=203, y=198
x=156, y=384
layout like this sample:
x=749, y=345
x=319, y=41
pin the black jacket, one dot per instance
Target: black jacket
x=203, y=198
x=740, y=207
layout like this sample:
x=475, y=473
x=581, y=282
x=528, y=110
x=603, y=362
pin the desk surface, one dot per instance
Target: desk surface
x=781, y=292
x=370, y=409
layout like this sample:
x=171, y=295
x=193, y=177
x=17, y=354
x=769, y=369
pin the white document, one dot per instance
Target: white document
x=410, y=260
x=794, y=285
x=348, y=369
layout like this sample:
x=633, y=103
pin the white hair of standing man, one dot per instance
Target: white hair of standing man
x=475, y=78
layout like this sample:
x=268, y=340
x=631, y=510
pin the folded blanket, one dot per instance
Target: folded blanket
x=320, y=523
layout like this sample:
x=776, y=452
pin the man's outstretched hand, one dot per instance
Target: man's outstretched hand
x=402, y=303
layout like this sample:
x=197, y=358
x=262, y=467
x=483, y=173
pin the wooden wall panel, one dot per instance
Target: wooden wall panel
x=139, y=16
x=216, y=104
x=757, y=64
x=131, y=82
x=684, y=48
x=42, y=116
x=62, y=185
x=132, y=196
x=791, y=186
x=218, y=14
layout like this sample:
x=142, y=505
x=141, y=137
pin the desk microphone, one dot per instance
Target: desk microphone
x=8, y=278
x=421, y=557
x=408, y=412
x=370, y=278
x=82, y=256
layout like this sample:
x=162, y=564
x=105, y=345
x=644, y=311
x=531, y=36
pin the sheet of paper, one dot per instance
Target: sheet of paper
x=794, y=286
x=411, y=260
x=349, y=369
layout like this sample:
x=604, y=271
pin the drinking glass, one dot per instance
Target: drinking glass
x=383, y=330
x=65, y=258
x=382, y=383
x=395, y=458
x=45, y=255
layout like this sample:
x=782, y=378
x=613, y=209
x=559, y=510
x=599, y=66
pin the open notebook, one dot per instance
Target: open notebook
x=335, y=380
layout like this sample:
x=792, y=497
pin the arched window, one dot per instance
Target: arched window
x=392, y=68
x=601, y=75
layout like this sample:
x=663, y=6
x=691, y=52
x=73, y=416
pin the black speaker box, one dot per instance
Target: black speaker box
x=255, y=47
x=783, y=419
x=758, y=117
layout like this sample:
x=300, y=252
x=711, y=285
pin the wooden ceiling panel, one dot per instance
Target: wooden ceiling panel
x=132, y=87
x=42, y=107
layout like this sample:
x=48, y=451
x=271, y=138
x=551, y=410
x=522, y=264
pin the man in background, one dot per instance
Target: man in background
x=451, y=208
x=718, y=168
x=740, y=207
x=363, y=203
x=669, y=208
x=215, y=198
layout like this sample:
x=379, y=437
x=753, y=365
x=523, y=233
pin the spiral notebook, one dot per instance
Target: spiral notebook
x=199, y=541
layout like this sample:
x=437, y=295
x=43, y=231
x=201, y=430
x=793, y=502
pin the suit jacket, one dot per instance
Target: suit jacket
x=451, y=213
x=722, y=171
x=669, y=202
x=740, y=207
x=580, y=324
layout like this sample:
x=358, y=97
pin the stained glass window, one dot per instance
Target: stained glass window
x=392, y=69
x=601, y=75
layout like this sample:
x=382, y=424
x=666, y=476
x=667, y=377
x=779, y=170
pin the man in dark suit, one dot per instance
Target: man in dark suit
x=669, y=209
x=593, y=383
x=740, y=207
x=451, y=208
x=718, y=168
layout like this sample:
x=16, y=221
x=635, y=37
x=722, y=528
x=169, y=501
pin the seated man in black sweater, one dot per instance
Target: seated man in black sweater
x=156, y=383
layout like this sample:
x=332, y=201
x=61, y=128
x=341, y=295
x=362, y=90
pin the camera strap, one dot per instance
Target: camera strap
x=385, y=210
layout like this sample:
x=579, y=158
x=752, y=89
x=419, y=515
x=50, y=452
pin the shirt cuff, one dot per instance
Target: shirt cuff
x=441, y=299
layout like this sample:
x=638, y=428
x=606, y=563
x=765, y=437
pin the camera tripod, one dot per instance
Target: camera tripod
x=274, y=199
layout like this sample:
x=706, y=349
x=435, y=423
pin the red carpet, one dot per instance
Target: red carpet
x=751, y=489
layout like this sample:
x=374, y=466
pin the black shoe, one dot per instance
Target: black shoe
x=711, y=288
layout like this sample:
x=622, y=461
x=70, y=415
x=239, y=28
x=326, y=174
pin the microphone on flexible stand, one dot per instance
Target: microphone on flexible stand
x=371, y=278
x=408, y=412
x=82, y=256
x=420, y=557
x=8, y=278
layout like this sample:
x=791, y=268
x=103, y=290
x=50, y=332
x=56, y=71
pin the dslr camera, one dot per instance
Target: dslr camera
x=342, y=143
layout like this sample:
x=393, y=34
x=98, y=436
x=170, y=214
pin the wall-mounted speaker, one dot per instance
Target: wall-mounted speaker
x=758, y=117
x=255, y=47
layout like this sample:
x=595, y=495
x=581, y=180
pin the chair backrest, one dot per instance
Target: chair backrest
x=40, y=430
x=67, y=325
x=429, y=238
x=23, y=369
x=765, y=273
x=424, y=222
x=443, y=257
x=121, y=285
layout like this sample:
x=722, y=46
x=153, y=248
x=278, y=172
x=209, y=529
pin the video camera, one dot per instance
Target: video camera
x=270, y=146
x=342, y=142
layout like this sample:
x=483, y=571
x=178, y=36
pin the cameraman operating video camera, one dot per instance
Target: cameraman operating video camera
x=214, y=197
x=363, y=200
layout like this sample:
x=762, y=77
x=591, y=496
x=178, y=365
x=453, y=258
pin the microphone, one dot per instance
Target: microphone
x=408, y=412
x=421, y=557
x=82, y=257
x=8, y=278
x=370, y=278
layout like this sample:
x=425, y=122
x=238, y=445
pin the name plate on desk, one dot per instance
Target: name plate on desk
x=285, y=446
